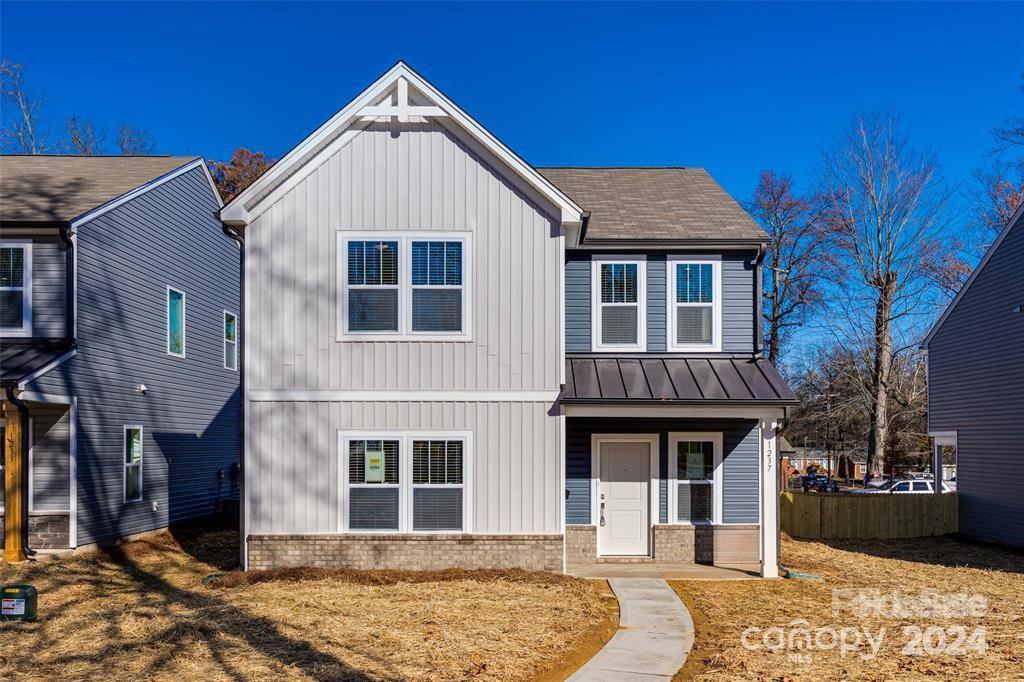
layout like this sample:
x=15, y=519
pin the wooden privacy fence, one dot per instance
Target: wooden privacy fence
x=839, y=516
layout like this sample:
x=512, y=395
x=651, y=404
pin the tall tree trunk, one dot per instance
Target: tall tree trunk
x=883, y=352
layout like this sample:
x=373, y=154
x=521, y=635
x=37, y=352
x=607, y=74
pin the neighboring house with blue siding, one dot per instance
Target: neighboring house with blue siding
x=976, y=390
x=457, y=359
x=119, y=334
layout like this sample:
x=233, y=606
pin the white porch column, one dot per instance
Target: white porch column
x=769, y=499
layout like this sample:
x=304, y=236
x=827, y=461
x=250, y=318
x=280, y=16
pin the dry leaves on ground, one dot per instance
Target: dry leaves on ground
x=145, y=612
x=723, y=610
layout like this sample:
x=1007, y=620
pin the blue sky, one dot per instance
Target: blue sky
x=735, y=88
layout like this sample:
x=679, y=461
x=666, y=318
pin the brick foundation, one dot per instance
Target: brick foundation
x=580, y=544
x=46, y=531
x=409, y=552
x=676, y=544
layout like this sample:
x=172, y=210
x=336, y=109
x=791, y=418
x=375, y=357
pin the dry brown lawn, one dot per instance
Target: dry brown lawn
x=146, y=612
x=723, y=610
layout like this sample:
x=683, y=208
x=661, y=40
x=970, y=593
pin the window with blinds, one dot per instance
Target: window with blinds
x=373, y=286
x=437, y=286
x=620, y=310
x=437, y=485
x=15, y=288
x=695, y=467
x=428, y=497
x=405, y=286
x=374, y=485
x=694, y=307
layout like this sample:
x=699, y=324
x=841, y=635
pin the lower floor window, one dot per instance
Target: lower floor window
x=405, y=483
x=695, y=467
x=132, y=463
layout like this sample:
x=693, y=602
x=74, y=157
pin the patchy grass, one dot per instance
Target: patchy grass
x=144, y=611
x=723, y=610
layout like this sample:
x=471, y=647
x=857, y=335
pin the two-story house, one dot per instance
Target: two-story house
x=456, y=359
x=976, y=390
x=119, y=347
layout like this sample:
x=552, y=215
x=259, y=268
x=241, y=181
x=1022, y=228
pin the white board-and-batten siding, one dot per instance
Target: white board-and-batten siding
x=412, y=177
x=393, y=178
x=294, y=463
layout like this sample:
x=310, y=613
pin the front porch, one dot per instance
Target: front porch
x=671, y=464
x=49, y=475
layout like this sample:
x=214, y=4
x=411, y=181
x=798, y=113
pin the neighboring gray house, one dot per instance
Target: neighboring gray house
x=976, y=389
x=119, y=312
x=457, y=359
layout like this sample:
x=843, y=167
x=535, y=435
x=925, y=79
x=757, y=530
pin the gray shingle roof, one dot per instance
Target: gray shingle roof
x=654, y=203
x=61, y=188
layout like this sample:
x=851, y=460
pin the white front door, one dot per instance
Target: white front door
x=623, y=500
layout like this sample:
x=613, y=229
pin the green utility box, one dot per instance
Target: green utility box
x=18, y=602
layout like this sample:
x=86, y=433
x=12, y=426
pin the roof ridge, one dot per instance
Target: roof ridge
x=693, y=168
x=102, y=156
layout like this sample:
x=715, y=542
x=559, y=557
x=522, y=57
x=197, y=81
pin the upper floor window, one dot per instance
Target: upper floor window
x=15, y=288
x=695, y=308
x=404, y=286
x=175, y=322
x=619, y=316
x=230, y=341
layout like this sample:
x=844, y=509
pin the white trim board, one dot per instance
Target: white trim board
x=46, y=368
x=294, y=166
x=276, y=394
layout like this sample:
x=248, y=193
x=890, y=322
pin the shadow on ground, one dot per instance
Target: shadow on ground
x=953, y=551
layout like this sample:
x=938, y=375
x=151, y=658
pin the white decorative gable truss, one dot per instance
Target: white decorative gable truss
x=400, y=94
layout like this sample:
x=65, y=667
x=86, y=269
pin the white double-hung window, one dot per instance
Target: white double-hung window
x=619, y=304
x=694, y=304
x=405, y=482
x=404, y=286
x=15, y=288
x=695, y=478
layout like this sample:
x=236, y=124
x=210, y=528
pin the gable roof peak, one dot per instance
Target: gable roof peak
x=402, y=93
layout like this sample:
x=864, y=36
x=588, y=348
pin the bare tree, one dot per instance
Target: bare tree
x=83, y=138
x=798, y=228
x=892, y=207
x=132, y=141
x=23, y=131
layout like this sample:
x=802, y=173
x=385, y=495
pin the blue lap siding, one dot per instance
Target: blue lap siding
x=738, y=309
x=976, y=388
x=739, y=463
x=190, y=413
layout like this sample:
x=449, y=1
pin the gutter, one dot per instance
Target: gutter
x=23, y=416
x=762, y=252
x=236, y=235
x=69, y=284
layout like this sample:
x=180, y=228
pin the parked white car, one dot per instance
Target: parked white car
x=917, y=486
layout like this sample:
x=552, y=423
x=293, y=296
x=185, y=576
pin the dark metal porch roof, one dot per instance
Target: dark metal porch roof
x=671, y=379
x=20, y=359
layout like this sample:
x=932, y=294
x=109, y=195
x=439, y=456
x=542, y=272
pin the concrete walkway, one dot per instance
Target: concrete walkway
x=654, y=637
